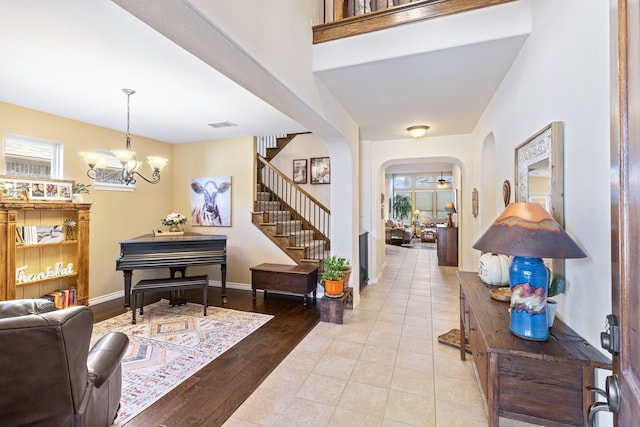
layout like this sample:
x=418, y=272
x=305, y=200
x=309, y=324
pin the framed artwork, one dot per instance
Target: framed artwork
x=13, y=187
x=211, y=201
x=320, y=170
x=506, y=192
x=474, y=202
x=300, y=171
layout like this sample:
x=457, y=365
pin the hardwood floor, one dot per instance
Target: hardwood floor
x=210, y=396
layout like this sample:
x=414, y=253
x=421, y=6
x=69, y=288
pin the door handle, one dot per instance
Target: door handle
x=611, y=393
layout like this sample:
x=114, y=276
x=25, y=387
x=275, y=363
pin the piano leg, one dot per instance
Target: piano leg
x=223, y=274
x=127, y=287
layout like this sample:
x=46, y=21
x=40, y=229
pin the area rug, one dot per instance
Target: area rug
x=169, y=344
x=419, y=246
x=452, y=339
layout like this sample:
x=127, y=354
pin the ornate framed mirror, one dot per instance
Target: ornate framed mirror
x=539, y=167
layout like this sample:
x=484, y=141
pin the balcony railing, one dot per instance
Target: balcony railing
x=353, y=17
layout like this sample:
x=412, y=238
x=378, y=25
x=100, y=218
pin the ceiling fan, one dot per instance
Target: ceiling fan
x=442, y=182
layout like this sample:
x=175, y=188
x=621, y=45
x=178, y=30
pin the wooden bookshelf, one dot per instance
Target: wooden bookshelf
x=33, y=270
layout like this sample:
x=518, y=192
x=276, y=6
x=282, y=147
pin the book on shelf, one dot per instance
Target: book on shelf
x=62, y=298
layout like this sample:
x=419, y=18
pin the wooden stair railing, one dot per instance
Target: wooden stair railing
x=384, y=18
x=269, y=146
x=292, y=218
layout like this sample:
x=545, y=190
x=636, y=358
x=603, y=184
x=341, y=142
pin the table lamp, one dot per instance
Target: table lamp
x=528, y=233
x=450, y=210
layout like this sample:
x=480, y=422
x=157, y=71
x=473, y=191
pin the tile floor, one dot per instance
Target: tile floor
x=383, y=366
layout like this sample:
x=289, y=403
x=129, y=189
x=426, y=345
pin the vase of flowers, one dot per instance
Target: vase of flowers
x=174, y=220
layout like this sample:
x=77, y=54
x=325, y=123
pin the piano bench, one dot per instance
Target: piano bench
x=170, y=284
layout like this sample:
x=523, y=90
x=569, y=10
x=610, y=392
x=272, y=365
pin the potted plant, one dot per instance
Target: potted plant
x=402, y=205
x=336, y=274
x=78, y=191
x=346, y=267
x=333, y=275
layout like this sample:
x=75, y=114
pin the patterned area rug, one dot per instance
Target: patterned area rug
x=169, y=344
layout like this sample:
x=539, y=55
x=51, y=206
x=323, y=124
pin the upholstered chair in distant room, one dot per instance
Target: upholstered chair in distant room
x=48, y=374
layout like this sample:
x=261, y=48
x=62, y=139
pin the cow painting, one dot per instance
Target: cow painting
x=211, y=201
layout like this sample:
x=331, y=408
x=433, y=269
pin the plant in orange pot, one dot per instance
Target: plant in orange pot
x=333, y=274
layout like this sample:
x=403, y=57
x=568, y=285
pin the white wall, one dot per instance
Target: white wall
x=305, y=146
x=562, y=74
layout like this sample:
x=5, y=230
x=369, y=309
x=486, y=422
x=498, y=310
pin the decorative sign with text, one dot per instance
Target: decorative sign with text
x=50, y=273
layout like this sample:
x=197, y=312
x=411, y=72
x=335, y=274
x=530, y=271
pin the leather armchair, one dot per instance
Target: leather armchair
x=48, y=375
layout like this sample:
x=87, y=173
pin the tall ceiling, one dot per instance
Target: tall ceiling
x=72, y=58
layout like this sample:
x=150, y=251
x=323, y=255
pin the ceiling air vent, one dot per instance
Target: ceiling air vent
x=222, y=124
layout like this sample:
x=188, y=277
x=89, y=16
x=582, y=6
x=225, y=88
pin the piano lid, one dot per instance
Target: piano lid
x=150, y=238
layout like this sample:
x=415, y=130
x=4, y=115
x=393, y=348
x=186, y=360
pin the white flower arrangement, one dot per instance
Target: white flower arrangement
x=174, y=219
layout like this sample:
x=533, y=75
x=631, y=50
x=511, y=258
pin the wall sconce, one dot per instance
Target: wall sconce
x=126, y=157
x=418, y=131
x=528, y=233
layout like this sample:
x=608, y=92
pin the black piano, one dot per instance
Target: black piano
x=173, y=252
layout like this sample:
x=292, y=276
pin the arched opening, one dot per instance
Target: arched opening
x=487, y=202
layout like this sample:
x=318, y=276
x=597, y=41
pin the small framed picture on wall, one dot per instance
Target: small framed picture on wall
x=320, y=170
x=300, y=171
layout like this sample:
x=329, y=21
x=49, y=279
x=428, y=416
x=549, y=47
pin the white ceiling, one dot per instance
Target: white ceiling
x=72, y=58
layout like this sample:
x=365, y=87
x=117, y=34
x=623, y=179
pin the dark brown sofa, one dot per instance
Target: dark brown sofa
x=49, y=377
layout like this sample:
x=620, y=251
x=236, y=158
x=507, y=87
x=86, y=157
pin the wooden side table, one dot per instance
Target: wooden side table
x=332, y=309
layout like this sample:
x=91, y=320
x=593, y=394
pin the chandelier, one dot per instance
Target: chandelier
x=127, y=158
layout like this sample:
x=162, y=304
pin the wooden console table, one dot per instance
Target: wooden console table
x=540, y=382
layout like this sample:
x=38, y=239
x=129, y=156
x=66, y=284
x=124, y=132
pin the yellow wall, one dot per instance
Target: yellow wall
x=115, y=215
x=246, y=245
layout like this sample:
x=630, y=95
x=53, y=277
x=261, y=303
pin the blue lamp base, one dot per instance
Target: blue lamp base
x=529, y=281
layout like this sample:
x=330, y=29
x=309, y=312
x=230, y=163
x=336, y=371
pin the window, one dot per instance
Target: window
x=425, y=193
x=32, y=157
x=401, y=181
x=443, y=197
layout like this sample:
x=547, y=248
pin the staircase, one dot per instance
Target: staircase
x=290, y=217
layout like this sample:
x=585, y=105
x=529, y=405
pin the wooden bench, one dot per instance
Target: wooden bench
x=170, y=284
x=296, y=279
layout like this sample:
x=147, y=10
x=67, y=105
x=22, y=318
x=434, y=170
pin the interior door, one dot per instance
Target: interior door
x=625, y=206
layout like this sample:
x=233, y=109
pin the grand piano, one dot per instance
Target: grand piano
x=173, y=252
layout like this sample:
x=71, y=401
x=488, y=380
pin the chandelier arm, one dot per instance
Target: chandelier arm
x=154, y=178
x=92, y=173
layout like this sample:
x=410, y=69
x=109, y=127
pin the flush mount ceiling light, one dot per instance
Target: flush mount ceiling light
x=418, y=131
x=126, y=158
